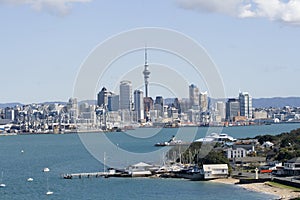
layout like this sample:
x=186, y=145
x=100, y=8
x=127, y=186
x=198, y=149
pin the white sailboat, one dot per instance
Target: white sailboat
x=48, y=191
x=2, y=185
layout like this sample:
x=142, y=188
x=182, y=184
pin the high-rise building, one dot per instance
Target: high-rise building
x=125, y=95
x=193, y=95
x=245, y=104
x=148, y=106
x=113, y=102
x=177, y=105
x=203, y=101
x=139, y=104
x=232, y=109
x=73, y=109
x=146, y=73
x=220, y=107
x=159, y=105
x=102, y=99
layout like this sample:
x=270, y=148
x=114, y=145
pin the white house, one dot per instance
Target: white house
x=235, y=153
x=214, y=171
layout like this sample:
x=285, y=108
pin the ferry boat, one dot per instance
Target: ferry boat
x=215, y=137
x=172, y=142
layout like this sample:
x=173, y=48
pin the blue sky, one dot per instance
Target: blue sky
x=254, y=44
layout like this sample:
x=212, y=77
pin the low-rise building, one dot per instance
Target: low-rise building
x=232, y=153
x=214, y=171
x=292, y=167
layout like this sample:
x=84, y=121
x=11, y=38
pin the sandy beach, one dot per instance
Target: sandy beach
x=282, y=193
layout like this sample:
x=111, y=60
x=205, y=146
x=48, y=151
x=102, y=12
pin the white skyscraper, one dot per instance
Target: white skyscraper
x=245, y=104
x=125, y=95
x=139, y=104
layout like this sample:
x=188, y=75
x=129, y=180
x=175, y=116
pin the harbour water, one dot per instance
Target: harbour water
x=66, y=154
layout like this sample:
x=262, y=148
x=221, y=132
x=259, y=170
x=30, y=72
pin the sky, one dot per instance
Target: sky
x=254, y=44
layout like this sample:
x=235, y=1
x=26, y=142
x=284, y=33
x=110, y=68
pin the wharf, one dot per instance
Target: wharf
x=93, y=174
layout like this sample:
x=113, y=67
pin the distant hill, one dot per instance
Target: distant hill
x=276, y=102
x=5, y=105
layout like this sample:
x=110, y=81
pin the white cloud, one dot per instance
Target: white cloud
x=61, y=7
x=281, y=10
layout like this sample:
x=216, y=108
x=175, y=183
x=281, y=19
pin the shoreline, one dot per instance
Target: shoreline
x=281, y=193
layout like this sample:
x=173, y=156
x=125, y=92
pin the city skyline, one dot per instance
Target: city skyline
x=44, y=45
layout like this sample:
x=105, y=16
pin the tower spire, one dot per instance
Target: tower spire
x=146, y=72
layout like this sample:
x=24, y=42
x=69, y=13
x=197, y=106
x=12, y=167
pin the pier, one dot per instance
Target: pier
x=85, y=175
x=95, y=174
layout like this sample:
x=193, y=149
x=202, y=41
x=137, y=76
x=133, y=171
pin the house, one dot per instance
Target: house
x=235, y=153
x=250, y=161
x=292, y=167
x=213, y=171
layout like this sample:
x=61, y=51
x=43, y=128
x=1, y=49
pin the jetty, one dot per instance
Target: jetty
x=108, y=174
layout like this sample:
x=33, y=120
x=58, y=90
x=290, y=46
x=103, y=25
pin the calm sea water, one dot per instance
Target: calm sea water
x=67, y=154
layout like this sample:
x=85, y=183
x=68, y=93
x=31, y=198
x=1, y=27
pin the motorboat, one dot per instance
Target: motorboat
x=46, y=169
x=49, y=193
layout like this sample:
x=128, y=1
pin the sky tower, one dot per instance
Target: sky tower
x=146, y=73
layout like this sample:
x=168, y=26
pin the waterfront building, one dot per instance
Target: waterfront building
x=113, y=102
x=203, y=101
x=9, y=114
x=213, y=171
x=232, y=109
x=193, y=96
x=139, y=104
x=260, y=114
x=245, y=105
x=173, y=113
x=126, y=95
